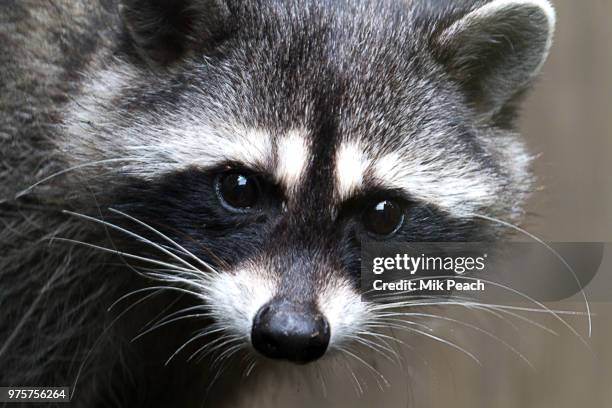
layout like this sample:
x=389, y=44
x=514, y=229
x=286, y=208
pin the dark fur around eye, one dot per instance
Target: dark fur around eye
x=185, y=206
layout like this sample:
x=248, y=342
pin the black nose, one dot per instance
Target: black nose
x=290, y=331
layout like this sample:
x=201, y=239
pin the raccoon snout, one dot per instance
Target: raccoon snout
x=290, y=331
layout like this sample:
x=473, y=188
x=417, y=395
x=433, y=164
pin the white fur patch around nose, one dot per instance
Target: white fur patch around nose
x=235, y=298
x=346, y=313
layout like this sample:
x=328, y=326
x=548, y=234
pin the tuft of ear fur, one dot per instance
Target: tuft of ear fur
x=495, y=50
x=162, y=31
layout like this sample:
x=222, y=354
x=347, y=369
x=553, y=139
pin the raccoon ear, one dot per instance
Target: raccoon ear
x=162, y=31
x=495, y=50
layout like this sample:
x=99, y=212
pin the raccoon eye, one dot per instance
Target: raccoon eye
x=237, y=191
x=384, y=218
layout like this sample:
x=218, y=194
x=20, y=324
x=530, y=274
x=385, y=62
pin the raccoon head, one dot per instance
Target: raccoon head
x=265, y=141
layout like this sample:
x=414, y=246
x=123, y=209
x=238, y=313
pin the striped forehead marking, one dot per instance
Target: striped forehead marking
x=457, y=186
x=293, y=155
x=351, y=165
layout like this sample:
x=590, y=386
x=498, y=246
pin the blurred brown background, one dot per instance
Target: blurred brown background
x=568, y=119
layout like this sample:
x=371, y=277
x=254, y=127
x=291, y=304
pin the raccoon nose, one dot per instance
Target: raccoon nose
x=290, y=331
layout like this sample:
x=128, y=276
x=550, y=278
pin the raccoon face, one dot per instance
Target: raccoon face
x=269, y=139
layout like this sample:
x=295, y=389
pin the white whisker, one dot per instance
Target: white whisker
x=124, y=254
x=132, y=234
x=473, y=327
x=548, y=247
x=77, y=167
x=204, y=333
x=178, y=246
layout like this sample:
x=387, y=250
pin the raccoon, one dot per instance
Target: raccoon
x=186, y=185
